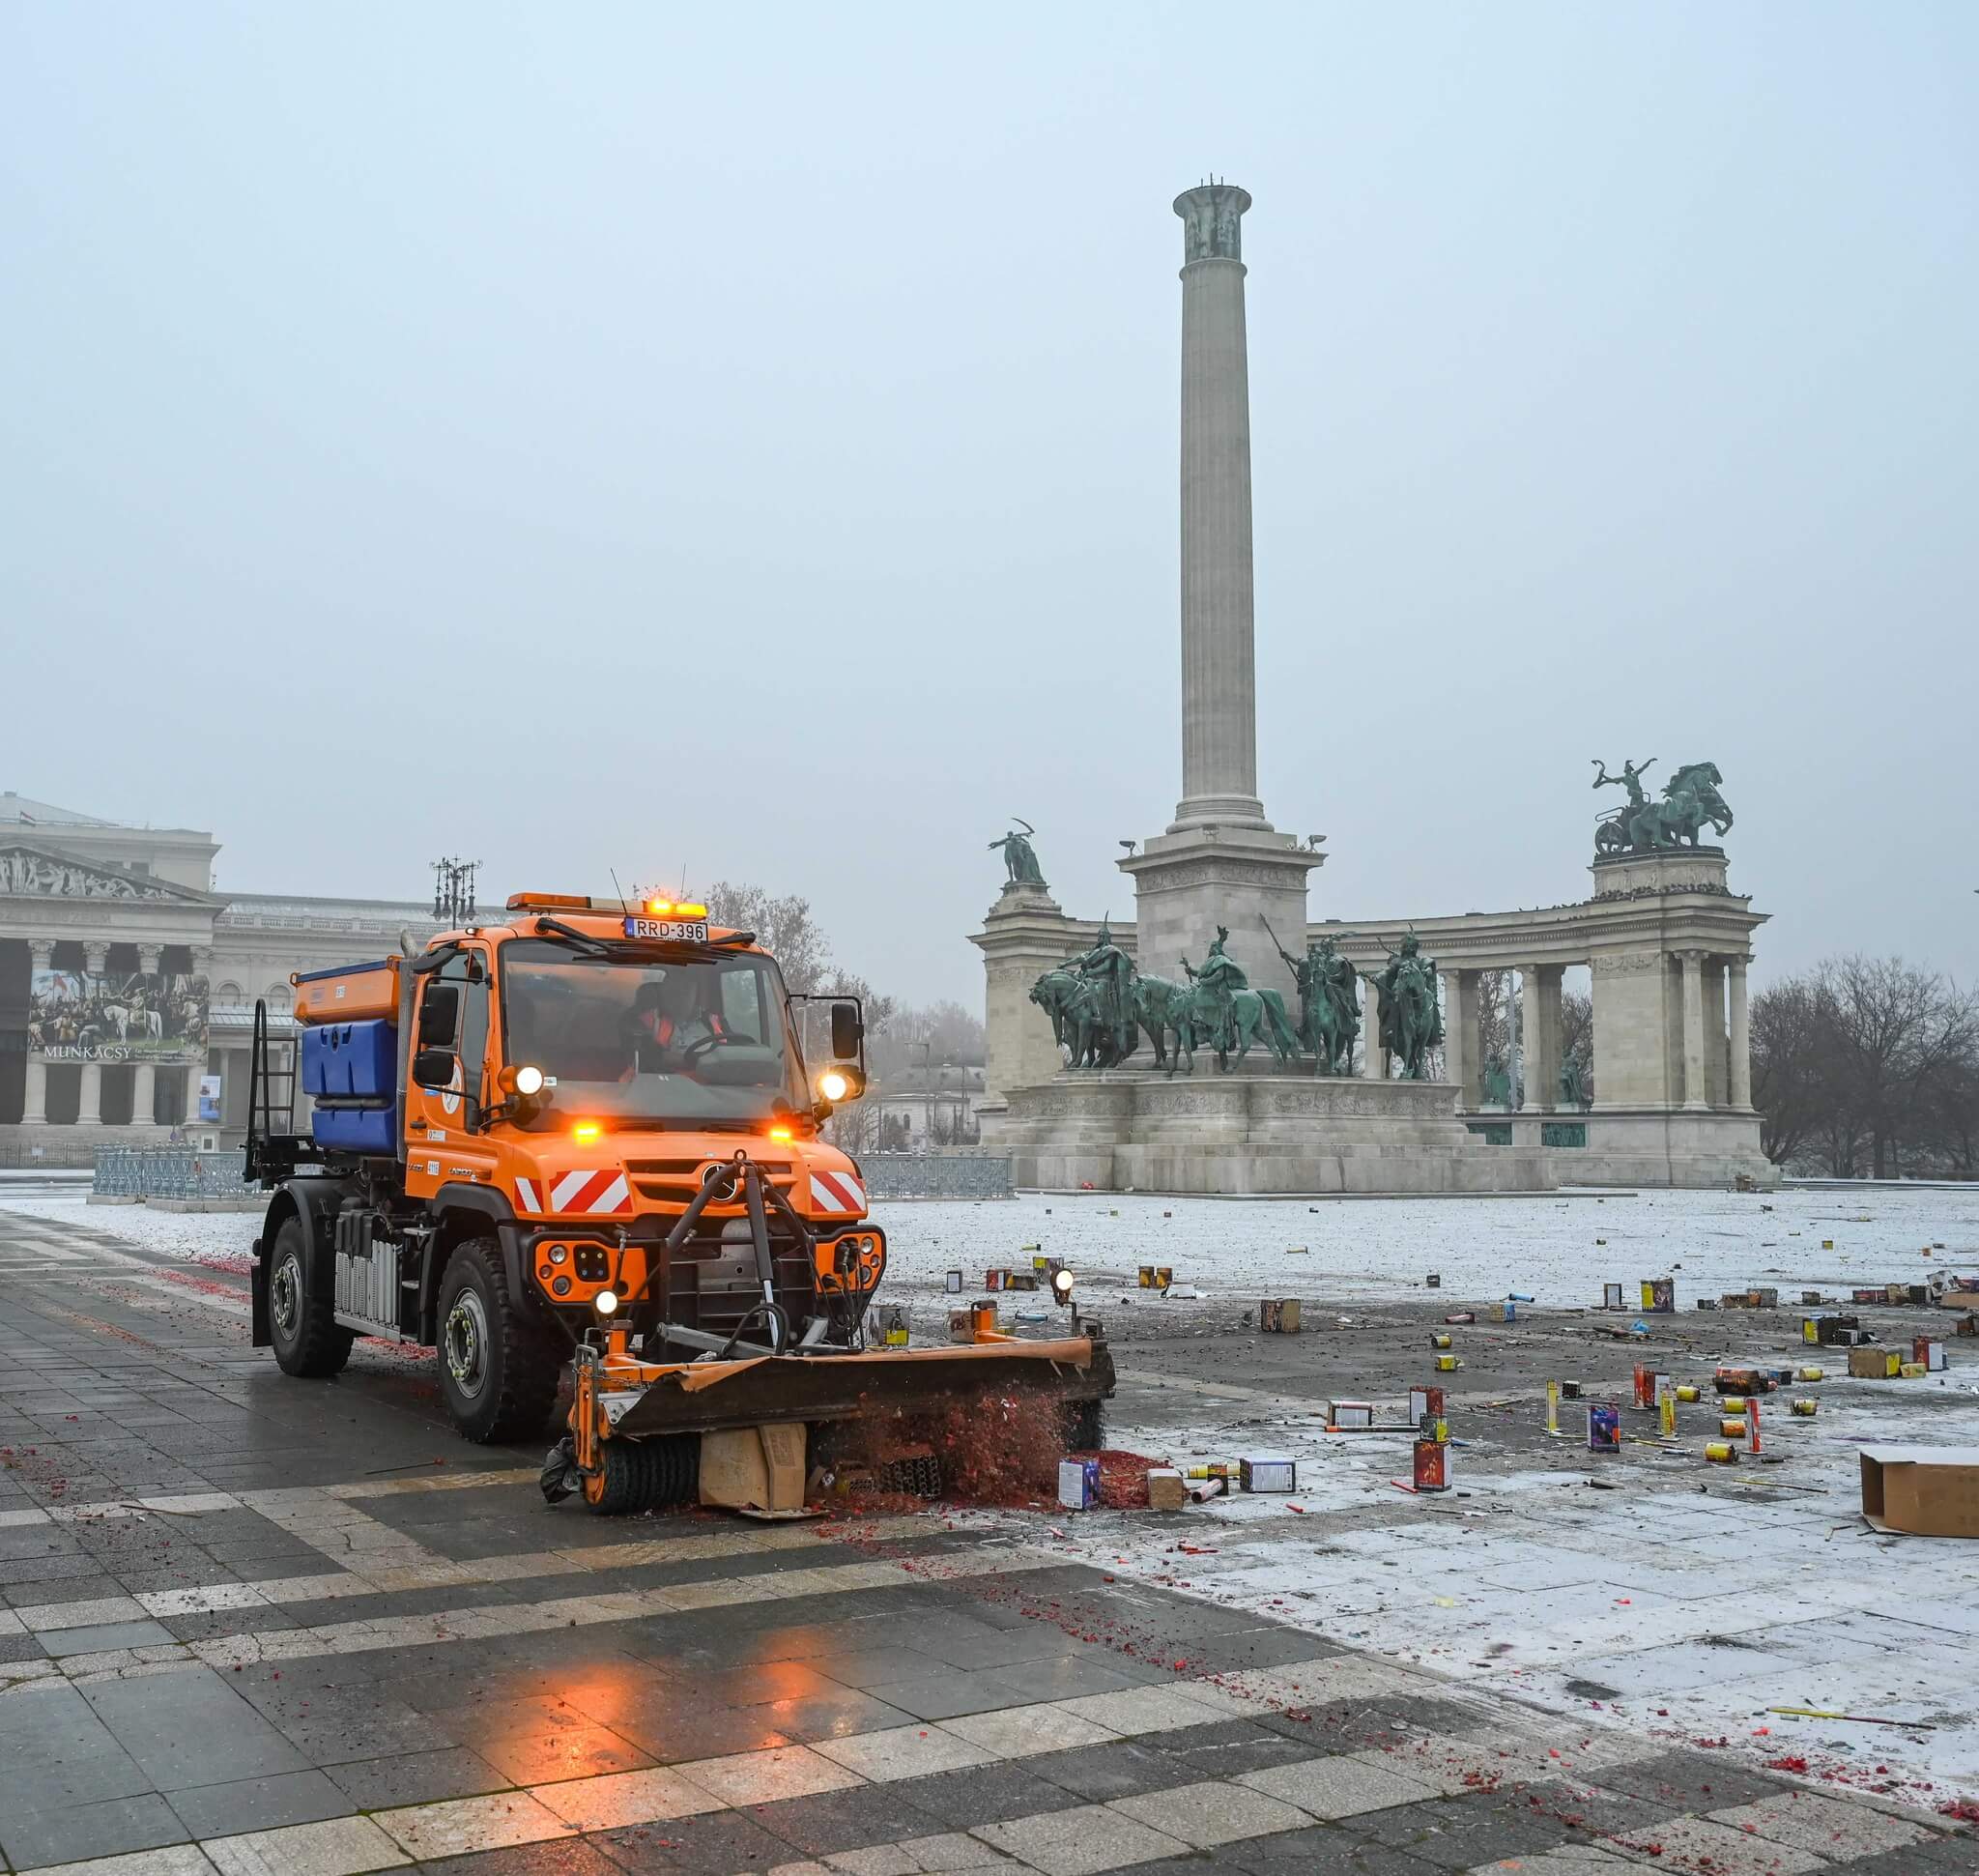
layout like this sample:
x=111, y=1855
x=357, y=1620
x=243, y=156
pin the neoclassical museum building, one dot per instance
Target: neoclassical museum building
x=128, y=985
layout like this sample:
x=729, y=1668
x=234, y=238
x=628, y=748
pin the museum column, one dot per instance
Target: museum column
x=1375, y=1064
x=89, y=1105
x=144, y=1076
x=34, y=1106
x=1694, y=1029
x=1741, y=1037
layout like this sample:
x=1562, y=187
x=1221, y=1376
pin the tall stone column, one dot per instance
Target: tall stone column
x=1460, y=1034
x=1221, y=862
x=1742, y=1036
x=1218, y=682
x=1694, y=1029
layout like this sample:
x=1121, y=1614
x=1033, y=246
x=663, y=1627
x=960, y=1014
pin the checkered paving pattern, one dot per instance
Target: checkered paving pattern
x=249, y=1625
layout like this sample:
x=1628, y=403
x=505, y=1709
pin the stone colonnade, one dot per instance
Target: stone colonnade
x=1704, y=1060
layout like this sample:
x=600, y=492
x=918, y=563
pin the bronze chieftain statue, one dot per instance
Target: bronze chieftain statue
x=1328, y=1017
x=1018, y=857
x=1410, y=1018
x=1221, y=1010
x=1690, y=798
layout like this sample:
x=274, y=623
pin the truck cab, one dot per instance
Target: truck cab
x=539, y=1128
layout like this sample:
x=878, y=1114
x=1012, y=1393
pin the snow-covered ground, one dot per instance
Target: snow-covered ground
x=1549, y=1248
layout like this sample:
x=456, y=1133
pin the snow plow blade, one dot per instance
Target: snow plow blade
x=708, y=1397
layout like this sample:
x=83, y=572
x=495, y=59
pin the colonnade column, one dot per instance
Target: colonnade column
x=1375, y=1067
x=89, y=1107
x=1460, y=1034
x=1694, y=1029
x=1537, y=1091
x=1740, y=1093
x=34, y=1108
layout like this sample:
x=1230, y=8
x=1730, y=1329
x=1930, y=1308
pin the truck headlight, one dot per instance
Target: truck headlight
x=606, y=1302
x=834, y=1084
x=528, y=1078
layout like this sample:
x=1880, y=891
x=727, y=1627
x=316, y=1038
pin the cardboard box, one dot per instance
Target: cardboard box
x=1350, y=1413
x=1165, y=1490
x=1659, y=1295
x=755, y=1467
x=1874, y=1364
x=1267, y=1472
x=1079, y=1483
x=1278, y=1317
x=1929, y=1491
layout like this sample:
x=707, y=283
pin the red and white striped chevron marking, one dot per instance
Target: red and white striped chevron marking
x=591, y=1192
x=836, y=1192
x=526, y=1201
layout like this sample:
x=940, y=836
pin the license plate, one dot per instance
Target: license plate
x=667, y=930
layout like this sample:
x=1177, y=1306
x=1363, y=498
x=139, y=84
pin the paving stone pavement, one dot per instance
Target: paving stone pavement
x=249, y=1625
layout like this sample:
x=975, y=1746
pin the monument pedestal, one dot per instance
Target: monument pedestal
x=1190, y=879
x=1257, y=1135
x=1023, y=935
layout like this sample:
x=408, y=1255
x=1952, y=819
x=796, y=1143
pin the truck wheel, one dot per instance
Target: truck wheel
x=498, y=1370
x=302, y=1319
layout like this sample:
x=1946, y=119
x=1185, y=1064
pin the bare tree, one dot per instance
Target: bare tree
x=1894, y=1032
x=1868, y=1066
x=1789, y=1088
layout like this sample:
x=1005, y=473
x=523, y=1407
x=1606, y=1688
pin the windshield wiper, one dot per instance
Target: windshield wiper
x=585, y=941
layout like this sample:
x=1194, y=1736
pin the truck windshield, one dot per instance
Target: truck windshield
x=696, y=1039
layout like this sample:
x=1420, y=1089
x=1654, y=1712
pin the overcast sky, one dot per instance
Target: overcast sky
x=744, y=441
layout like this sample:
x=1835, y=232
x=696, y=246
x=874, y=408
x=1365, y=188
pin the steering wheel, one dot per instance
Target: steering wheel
x=692, y=1054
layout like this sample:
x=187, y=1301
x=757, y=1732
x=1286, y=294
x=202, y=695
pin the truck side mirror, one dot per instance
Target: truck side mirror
x=439, y=1014
x=847, y=1031
x=434, y=1068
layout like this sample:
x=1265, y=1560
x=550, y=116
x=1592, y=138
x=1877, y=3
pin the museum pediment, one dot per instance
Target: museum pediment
x=28, y=871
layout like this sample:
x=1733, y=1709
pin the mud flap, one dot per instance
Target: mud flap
x=257, y=1290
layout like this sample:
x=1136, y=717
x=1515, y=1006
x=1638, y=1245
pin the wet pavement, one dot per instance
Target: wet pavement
x=249, y=1624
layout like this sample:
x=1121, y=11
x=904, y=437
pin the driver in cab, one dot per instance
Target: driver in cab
x=668, y=1032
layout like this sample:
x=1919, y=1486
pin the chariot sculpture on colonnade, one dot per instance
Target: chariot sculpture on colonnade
x=1690, y=798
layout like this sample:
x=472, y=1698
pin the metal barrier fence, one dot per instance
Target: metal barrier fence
x=937, y=1175
x=169, y=1173
x=42, y=1159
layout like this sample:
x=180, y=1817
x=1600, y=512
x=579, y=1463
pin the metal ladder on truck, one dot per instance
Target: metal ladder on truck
x=271, y=1152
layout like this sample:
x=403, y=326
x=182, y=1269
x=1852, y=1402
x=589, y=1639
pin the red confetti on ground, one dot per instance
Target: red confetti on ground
x=1965, y=1809
x=1786, y=1761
